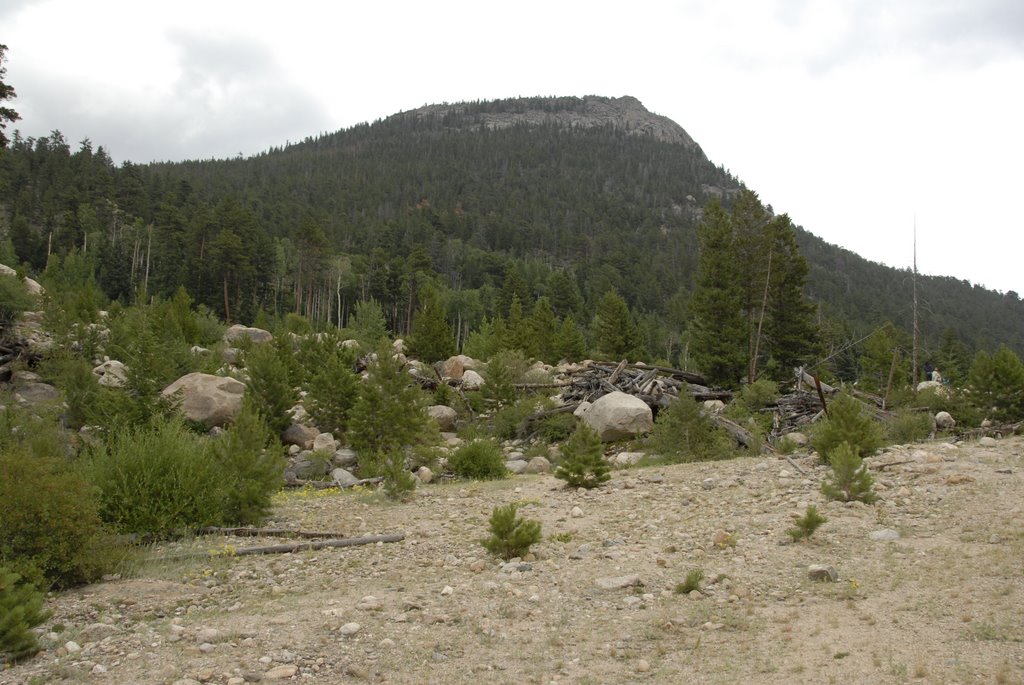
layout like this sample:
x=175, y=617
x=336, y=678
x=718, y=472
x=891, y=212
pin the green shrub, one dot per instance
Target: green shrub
x=14, y=299
x=997, y=382
x=504, y=370
x=683, y=434
x=398, y=481
x=251, y=463
x=21, y=609
x=270, y=385
x=806, y=524
x=511, y=536
x=557, y=427
x=583, y=463
x=508, y=421
x=691, y=583
x=908, y=426
x=478, y=460
x=847, y=422
x=332, y=386
x=50, y=528
x=849, y=479
x=758, y=395
x=388, y=414
x=158, y=481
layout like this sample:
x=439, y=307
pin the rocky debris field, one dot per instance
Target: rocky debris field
x=928, y=585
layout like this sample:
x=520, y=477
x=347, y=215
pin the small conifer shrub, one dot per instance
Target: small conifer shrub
x=849, y=479
x=806, y=524
x=583, y=464
x=511, y=536
x=21, y=609
x=847, y=422
x=692, y=581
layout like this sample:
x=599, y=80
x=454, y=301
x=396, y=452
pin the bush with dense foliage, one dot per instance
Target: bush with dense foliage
x=847, y=422
x=682, y=433
x=583, y=464
x=51, y=533
x=997, y=383
x=478, y=460
x=908, y=426
x=14, y=299
x=511, y=535
x=331, y=386
x=21, y=609
x=504, y=370
x=158, y=481
x=270, y=384
x=806, y=525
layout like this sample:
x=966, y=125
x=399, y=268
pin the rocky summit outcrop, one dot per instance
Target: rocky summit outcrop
x=618, y=415
x=625, y=113
x=207, y=399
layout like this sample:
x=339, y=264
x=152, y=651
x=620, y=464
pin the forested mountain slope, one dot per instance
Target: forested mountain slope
x=563, y=197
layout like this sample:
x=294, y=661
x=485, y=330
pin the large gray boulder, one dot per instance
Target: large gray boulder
x=444, y=416
x=300, y=434
x=618, y=415
x=32, y=287
x=238, y=332
x=471, y=380
x=111, y=374
x=208, y=399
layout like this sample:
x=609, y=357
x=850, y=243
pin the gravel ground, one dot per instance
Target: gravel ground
x=930, y=585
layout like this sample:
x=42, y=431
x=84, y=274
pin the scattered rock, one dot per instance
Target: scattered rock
x=516, y=466
x=281, y=672
x=471, y=380
x=300, y=434
x=958, y=479
x=424, y=474
x=324, y=442
x=797, y=438
x=350, y=629
x=823, y=573
x=618, y=582
x=343, y=477
x=988, y=441
x=111, y=374
x=884, y=534
x=444, y=416
x=944, y=421
x=344, y=457
x=576, y=513
x=714, y=406
x=538, y=465
x=627, y=458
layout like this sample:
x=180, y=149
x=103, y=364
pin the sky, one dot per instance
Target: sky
x=861, y=119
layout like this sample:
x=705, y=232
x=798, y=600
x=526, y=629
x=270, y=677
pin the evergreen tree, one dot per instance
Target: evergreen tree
x=998, y=383
x=368, y=325
x=7, y=114
x=569, y=343
x=387, y=416
x=719, y=328
x=542, y=326
x=616, y=334
x=432, y=336
x=583, y=463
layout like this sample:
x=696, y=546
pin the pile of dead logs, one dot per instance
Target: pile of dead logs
x=655, y=385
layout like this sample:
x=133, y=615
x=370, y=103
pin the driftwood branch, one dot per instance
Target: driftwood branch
x=799, y=469
x=328, y=484
x=318, y=544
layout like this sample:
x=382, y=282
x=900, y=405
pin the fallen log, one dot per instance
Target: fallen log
x=327, y=484
x=267, y=532
x=738, y=432
x=318, y=544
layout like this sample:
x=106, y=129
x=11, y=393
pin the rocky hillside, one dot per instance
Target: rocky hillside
x=927, y=585
x=625, y=113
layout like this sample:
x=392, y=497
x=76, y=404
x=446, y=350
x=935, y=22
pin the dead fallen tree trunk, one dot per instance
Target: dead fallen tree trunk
x=286, y=548
x=328, y=484
x=267, y=532
x=738, y=432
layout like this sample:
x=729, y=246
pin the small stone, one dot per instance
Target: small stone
x=350, y=629
x=988, y=441
x=209, y=635
x=281, y=672
x=538, y=465
x=576, y=513
x=448, y=590
x=516, y=466
x=386, y=643
x=424, y=474
x=642, y=666
x=478, y=566
x=72, y=647
x=618, y=582
x=369, y=603
x=884, y=534
x=823, y=573
x=99, y=669
x=959, y=479
x=708, y=483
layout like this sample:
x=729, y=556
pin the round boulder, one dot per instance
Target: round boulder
x=111, y=374
x=944, y=421
x=207, y=399
x=618, y=415
x=444, y=416
x=238, y=332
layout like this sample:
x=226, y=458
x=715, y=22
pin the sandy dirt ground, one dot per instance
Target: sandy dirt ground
x=930, y=585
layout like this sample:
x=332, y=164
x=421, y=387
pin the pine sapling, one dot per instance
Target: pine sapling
x=511, y=536
x=806, y=524
x=849, y=479
x=583, y=464
x=21, y=609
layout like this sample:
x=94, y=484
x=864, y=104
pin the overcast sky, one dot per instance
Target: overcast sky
x=855, y=117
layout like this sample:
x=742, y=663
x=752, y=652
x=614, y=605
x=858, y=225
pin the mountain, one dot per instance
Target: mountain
x=559, y=196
